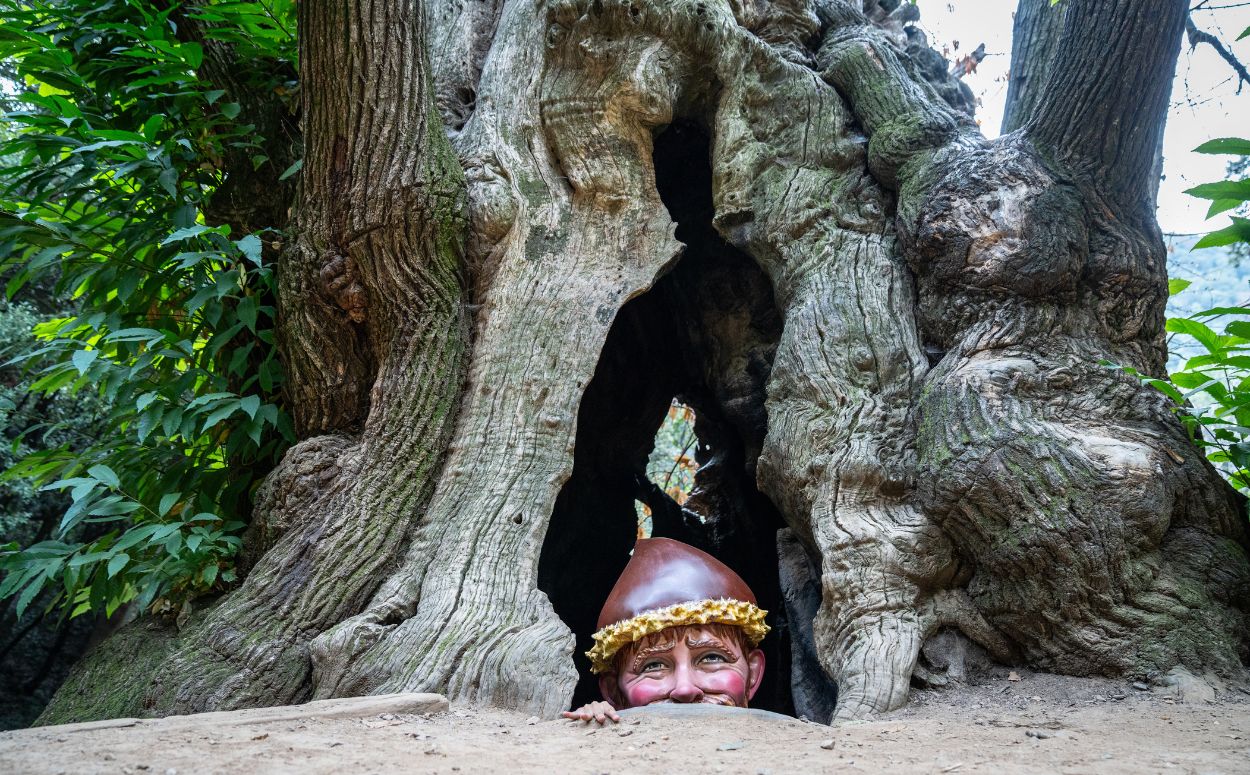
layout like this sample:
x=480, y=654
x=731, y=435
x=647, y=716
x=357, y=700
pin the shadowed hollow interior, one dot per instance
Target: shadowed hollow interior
x=705, y=334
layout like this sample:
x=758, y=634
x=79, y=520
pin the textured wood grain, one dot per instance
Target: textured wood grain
x=1092, y=538
x=589, y=232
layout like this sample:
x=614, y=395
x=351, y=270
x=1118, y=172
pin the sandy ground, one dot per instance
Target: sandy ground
x=1038, y=724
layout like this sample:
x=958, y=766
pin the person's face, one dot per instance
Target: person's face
x=686, y=664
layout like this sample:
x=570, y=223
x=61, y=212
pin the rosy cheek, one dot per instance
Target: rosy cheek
x=644, y=692
x=727, y=682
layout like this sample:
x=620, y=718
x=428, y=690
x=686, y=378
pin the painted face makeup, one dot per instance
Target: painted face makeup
x=707, y=664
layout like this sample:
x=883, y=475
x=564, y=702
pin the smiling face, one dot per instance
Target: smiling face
x=697, y=663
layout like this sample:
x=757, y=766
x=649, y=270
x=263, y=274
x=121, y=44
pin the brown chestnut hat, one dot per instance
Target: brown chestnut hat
x=670, y=584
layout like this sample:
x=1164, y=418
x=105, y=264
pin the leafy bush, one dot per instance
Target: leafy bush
x=29, y=422
x=1212, y=389
x=114, y=151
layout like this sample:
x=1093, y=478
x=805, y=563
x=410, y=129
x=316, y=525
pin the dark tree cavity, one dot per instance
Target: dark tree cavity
x=781, y=213
x=705, y=334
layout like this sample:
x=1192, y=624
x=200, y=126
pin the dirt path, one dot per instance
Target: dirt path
x=1039, y=724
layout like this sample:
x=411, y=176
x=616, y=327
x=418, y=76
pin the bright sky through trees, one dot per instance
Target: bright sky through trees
x=1205, y=103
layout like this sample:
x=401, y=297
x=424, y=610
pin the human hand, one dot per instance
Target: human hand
x=598, y=711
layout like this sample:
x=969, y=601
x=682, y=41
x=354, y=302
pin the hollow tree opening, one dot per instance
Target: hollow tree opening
x=704, y=335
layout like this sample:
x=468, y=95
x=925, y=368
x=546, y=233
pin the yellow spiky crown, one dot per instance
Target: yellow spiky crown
x=739, y=613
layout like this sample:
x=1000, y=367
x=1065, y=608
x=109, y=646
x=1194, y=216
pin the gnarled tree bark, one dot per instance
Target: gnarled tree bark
x=942, y=438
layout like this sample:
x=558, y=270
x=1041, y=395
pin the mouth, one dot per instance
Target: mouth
x=708, y=699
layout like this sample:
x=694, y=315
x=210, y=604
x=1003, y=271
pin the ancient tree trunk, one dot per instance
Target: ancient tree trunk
x=942, y=438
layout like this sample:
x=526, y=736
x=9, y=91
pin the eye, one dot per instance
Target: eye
x=713, y=657
x=651, y=666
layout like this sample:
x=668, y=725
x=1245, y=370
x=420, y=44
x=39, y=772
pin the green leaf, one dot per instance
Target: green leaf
x=230, y=110
x=152, y=126
x=106, y=144
x=1238, y=190
x=113, y=506
x=1221, y=311
x=17, y=577
x=250, y=246
x=1222, y=206
x=187, y=233
x=1176, y=285
x=1238, y=146
x=105, y=474
x=28, y=594
x=222, y=412
x=192, y=53
x=1198, y=331
x=168, y=180
x=138, y=535
x=79, y=560
x=209, y=398
x=147, y=423
x=82, y=359
x=247, y=312
x=117, y=563
x=250, y=404
x=171, y=421
x=289, y=171
x=1238, y=231
x=1239, y=328
x=167, y=502
x=1165, y=388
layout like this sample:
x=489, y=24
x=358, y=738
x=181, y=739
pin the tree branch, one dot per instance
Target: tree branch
x=1197, y=36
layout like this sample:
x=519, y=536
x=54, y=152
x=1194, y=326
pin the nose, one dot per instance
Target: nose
x=684, y=688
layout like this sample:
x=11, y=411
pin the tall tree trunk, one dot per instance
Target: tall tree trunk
x=1088, y=533
x=374, y=335
x=942, y=438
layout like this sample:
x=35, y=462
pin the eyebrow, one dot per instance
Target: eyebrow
x=650, y=651
x=710, y=643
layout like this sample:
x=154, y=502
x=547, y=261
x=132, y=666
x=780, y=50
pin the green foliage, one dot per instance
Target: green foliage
x=1212, y=389
x=30, y=422
x=114, y=149
x=671, y=465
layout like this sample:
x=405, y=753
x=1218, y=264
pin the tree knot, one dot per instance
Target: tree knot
x=340, y=283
